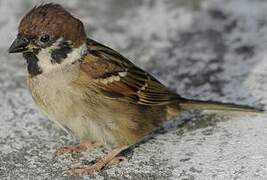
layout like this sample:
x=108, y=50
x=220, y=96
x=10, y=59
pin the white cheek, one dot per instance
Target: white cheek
x=46, y=64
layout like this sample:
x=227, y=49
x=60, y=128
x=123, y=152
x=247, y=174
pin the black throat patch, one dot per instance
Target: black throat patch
x=32, y=65
x=61, y=52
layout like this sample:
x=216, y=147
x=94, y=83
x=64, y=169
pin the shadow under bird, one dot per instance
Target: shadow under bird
x=92, y=91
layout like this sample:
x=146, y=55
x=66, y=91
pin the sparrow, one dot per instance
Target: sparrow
x=91, y=90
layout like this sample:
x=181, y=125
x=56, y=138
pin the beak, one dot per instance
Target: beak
x=19, y=45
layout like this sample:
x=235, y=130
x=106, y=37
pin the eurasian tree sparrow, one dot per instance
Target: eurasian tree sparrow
x=92, y=91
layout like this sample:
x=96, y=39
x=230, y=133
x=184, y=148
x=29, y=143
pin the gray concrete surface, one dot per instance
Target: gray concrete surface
x=213, y=49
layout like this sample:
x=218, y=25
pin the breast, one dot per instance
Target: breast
x=55, y=95
x=88, y=115
x=71, y=107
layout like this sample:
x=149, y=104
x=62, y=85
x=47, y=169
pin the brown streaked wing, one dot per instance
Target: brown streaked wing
x=117, y=77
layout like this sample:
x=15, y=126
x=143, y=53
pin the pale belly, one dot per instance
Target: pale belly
x=90, y=115
x=83, y=116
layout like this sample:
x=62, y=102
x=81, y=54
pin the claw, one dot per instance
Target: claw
x=101, y=163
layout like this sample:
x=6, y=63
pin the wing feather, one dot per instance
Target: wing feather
x=117, y=77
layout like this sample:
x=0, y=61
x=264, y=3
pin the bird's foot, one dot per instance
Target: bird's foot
x=107, y=160
x=75, y=149
x=116, y=160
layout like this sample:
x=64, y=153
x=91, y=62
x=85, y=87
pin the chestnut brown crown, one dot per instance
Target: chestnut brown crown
x=53, y=20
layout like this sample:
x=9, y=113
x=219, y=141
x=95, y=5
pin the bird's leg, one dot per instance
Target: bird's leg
x=110, y=158
x=74, y=149
x=116, y=160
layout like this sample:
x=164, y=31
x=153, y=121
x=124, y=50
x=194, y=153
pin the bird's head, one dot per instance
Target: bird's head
x=49, y=37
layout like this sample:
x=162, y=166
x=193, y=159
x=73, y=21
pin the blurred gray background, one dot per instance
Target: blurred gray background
x=205, y=49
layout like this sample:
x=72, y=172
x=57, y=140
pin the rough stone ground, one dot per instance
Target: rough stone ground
x=213, y=49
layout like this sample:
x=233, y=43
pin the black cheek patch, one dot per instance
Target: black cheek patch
x=32, y=65
x=57, y=55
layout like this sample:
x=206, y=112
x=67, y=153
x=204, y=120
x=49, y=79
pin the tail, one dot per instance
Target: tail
x=188, y=104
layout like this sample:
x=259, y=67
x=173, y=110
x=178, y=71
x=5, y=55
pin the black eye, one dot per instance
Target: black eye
x=45, y=38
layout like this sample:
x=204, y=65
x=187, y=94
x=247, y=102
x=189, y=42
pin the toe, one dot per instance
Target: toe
x=82, y=170
x=116, y=160
x=63, y=150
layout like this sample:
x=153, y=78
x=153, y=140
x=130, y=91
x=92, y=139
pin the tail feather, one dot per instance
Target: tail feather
x=216, y=106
